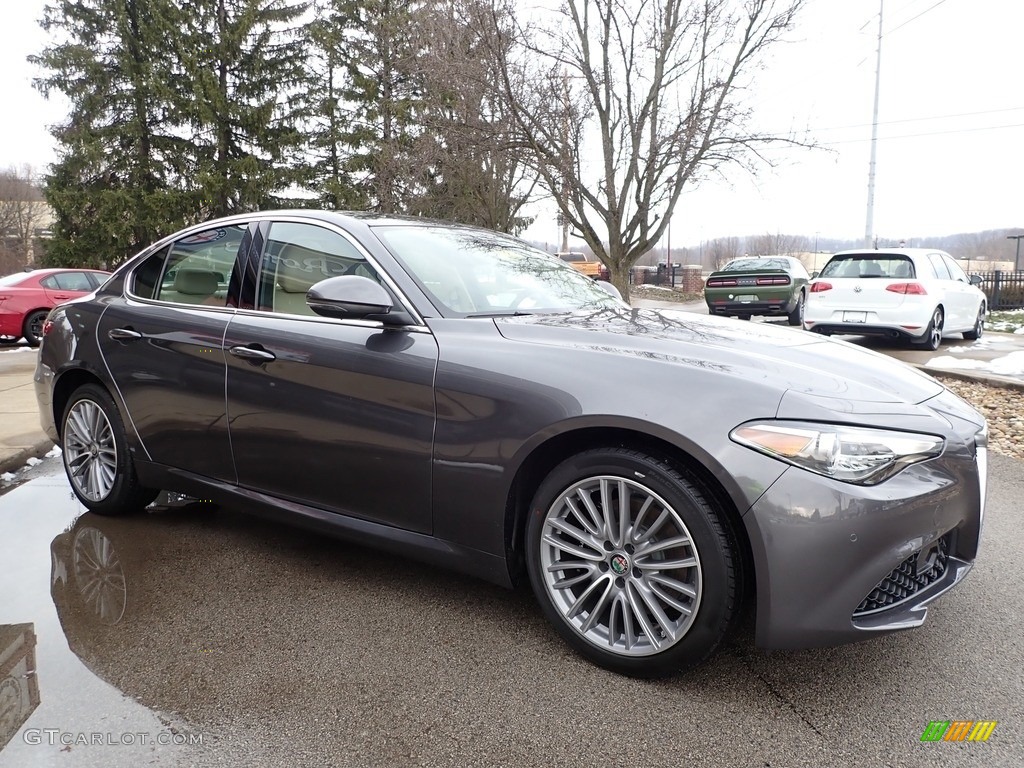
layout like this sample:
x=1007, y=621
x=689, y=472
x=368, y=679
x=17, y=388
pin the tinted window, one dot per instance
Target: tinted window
x=49, y=283
x=744, y=264
x=197, y=269
x=147, y=275
x=297, y=257
x=938, y=266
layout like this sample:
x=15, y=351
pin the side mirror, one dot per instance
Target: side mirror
x=348, y=297
x=610, y=289
x=975, y=279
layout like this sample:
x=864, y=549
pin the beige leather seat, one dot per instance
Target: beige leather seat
x=291, y=286
x=192, y=286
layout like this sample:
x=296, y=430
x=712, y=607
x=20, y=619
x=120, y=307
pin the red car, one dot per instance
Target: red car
x=27, y=297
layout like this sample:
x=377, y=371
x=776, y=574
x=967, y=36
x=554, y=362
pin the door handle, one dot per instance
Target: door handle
x=123, y=334
x=253, y=354
x=61, y=296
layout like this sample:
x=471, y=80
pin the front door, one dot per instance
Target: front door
x=334, y=414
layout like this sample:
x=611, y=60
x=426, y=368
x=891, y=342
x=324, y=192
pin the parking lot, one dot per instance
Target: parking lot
x=242, y=642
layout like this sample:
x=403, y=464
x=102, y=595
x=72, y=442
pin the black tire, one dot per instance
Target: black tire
x=796, y=317
x=33, y=327
x=703, y=560
x=742, y=317
x=933, y=333
x=125, y=495
x=979, y=326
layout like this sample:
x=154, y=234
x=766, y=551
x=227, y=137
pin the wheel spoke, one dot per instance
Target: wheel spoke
x=598, y=610
x=583, y=538
x=665, y=515
x=581, y=601
x=648, y=549
x=666, y=565
x=572, y=550
x=588, y=523
x=673, y=584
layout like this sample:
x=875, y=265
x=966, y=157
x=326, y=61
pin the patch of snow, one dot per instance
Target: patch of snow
x=33, y=461
x=18, y=349
x=1007, y=365
x=53, y=452
x=7, y=477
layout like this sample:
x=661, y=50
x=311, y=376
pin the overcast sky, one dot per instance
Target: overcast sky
x=951, y=133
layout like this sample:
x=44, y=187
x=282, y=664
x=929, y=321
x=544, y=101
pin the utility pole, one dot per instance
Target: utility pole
x=1016, y=257
x=869, y=228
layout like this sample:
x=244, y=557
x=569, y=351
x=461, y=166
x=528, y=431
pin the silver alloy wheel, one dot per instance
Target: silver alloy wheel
x=935, y=330
x=620, y=566
x=89, y=450
x=99, y=576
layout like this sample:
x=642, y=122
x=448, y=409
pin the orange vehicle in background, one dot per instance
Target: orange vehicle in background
x=588, y=265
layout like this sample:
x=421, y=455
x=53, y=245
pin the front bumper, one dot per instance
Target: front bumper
x=837, y=563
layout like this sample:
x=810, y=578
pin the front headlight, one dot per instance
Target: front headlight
x=851, y=454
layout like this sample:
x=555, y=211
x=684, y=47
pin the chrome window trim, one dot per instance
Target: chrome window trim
x=418, y=326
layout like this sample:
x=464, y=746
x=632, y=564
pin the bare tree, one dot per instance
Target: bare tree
x=624, y=103
x=22, y=210
x=722, y=250
x=776, y=244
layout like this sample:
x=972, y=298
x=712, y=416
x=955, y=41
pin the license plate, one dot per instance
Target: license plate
x=746, y=299
x=855, y=317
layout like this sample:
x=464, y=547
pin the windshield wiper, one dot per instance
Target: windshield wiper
x=503, y=313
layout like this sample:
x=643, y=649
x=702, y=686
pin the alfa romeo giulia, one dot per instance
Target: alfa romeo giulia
x=455, y=395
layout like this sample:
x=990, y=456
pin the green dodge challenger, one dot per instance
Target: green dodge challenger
x=761, y=285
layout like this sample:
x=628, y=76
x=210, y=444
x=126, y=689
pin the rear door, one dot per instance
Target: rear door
x=63, y=286
x=961, y=295
x=162, y=345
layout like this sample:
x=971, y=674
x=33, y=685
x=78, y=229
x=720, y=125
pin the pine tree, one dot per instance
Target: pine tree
x=244, y=63
x=117, y=184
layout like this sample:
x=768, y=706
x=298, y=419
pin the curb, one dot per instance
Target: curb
x=977, y=378
x=17, y=460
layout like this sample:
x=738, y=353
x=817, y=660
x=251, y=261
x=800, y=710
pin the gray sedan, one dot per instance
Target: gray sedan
x=454, y=395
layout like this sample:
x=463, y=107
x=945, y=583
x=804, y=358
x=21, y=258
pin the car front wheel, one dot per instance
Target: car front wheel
x=979, y=326
x=631, y=562
x=96, y=456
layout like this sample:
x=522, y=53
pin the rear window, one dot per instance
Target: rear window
x=572, y=257
x=745, y=264
x=888, y=266
x=14, y=279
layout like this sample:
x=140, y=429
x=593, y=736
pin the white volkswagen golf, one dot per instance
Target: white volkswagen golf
x=916, y=294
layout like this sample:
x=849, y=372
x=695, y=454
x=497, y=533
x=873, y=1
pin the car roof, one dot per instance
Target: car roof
x=909, y=252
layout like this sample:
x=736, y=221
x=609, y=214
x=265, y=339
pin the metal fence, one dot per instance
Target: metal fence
x=1005, y=290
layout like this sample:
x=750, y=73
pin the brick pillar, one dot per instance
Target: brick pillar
x=693, y=281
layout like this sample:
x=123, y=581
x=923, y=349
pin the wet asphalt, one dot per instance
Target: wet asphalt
x=201, y=636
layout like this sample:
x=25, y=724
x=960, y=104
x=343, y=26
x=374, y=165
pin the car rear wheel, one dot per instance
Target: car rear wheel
x=631, y=562
x=979, y=326
x=796, y=317
x=33, y=327
x=96, y=456
x=933, y=334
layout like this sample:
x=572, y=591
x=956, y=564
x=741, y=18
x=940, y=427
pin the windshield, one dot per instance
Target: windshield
x=472, y=272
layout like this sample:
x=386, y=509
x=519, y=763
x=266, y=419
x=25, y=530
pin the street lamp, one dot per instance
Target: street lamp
x=1016, y=258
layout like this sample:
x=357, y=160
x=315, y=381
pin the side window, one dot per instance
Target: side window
x=955, y=271
x=147, y=274
x=50, y=283
x=298, y=256
x=73, y=281
x=196, y=269
x=939, y=266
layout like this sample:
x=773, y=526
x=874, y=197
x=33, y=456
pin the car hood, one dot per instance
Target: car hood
x=789, y=360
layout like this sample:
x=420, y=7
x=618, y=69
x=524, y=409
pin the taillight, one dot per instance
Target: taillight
x=47, y=326
x=820, y=287
x=721, y=282
x=914, y=289
x=773, y=280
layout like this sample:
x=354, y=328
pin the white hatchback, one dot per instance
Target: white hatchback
x=916, y=294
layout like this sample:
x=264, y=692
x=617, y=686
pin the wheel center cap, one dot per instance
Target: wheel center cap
x=620, y=564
